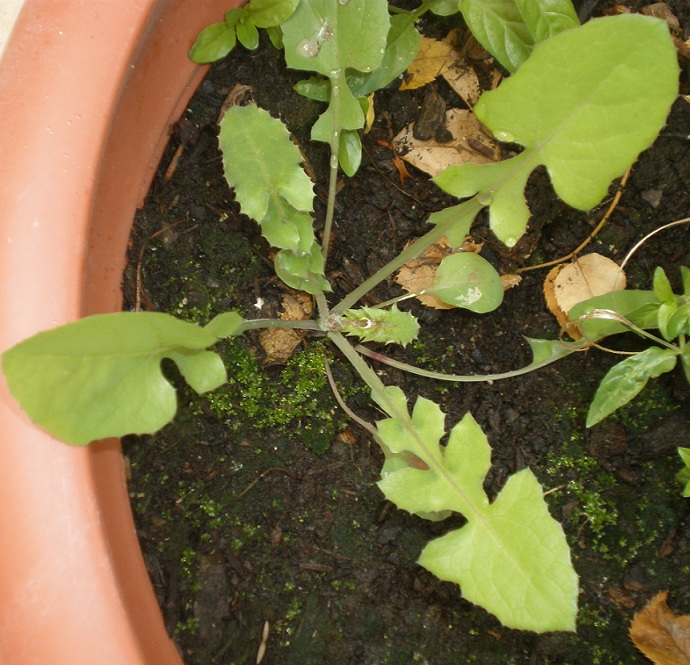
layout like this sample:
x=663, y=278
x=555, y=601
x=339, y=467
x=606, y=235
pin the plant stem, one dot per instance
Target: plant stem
x=459, y=378
x=466, y=210
x=368, y=375
x=255, y=324
x=337, y=79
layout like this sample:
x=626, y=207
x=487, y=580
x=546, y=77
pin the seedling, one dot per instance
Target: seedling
x=575, y=105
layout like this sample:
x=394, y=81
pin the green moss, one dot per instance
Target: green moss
x=297, y=401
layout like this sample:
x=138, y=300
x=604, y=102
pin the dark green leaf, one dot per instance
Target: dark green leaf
x=626, y=379
x=213, y=43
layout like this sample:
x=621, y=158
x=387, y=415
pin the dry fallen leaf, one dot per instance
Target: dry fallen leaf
x=470, y=144
x=433, y=58
x=462, y=77
x=663, y=11
x=279, y=343
x=419, y=274
x=568, y=284
x=660, y=634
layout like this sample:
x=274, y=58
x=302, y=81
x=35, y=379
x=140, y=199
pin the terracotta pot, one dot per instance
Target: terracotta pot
x=88, y=89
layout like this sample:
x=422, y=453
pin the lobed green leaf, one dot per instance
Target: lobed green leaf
x=330, y=37
x=264, y=167
x=575, y=106
x=101, y=376
x=511, y=557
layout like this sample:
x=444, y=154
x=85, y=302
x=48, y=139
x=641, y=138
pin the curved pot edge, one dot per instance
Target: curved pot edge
x=73, y=587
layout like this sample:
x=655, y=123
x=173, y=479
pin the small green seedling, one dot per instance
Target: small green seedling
x=574, y=104
x=638, y=311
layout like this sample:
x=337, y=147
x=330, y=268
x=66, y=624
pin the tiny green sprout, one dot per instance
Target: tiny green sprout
x=371, y=324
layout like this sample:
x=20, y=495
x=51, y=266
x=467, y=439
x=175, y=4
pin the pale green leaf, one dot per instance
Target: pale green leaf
x=270, y=13
x=509, y=29
x=469, y=281
x=226, y=324
x=662, y=287
x=261, y=162
x=678, y=322
x=575, y=105
x=512, y=557
x=350, y=153
x=500, y=28
x=458, y=223
x=101, y=376
x=445, y=7
x=627, y=378
x=547, y=18
x=247, y=34
x=330, y=37
x=315, y=88
x=638, y=306
x=402, y=45
x=303, y=272
x=372, y=324
x=213, y=43
x=264, y=167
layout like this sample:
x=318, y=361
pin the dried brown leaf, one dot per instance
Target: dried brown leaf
x=566, y=285
x=470, y=144
x=297, y=306
x=279, y=343
x=433, y=58
x=419, y=274
x=663, y=11
x=660, y=634
x=462, y=77
x=509, y=281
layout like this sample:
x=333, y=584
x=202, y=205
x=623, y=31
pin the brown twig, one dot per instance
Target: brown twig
x=592, y=235
x=261, y=476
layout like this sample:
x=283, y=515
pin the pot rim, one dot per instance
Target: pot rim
x=87, y=94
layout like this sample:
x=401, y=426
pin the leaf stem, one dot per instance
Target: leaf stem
x=255, y=324
x=468, y=209
x=458, y=378
x=337, y=79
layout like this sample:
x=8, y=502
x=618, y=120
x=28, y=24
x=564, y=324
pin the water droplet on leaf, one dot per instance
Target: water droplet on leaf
x=504, y=136
x=510, y=241
x=308, y=48
x=485, y=198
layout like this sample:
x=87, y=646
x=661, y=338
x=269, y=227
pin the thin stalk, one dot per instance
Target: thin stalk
x=255, y=324
x=334, y=103
x=468, y=209
x=368, y=375
x=459, y=378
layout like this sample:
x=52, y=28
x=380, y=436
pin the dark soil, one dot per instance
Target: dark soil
x=258, y=506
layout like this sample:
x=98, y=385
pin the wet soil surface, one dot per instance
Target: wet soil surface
x=257, y=508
